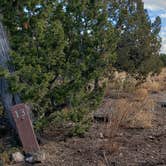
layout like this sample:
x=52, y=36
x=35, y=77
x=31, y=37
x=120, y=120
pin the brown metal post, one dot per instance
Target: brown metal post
x=21, y=115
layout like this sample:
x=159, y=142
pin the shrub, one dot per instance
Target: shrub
x=72, y=121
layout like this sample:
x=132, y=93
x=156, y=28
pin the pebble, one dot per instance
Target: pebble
x=35, y=157
x=18, y=157
x=101, y=135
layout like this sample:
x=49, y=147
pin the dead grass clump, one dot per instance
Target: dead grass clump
x=155, y=83
x=152, y=86
x=144, y=115
x=142, y=119
x=129, y=84
x=163, y=85
x=119, y=86
x=141, y=93
x=120, y=110
x=129, y=114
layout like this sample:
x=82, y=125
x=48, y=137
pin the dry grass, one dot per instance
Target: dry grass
x=118, y=116
x=140, y=94
x=107, y=92
x=156, y=83
x=142, y=119
x=129, y=114
x=153, y=86
x=120, y=85
x=125, y=83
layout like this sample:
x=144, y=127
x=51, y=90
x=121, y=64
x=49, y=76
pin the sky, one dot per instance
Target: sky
x=158, y=8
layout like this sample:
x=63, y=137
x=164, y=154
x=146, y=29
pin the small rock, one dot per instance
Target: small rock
x=35, y=157
x=29, y=158
x=121, y=155
x=151, y=137
x=120, y=134
x=79, y=150
x=101, y=135
x=18, y=157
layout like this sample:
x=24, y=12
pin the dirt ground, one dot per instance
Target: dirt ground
x=130, y=147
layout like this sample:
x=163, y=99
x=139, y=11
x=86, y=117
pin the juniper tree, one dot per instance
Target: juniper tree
x=139, y=44
x=91, y=44
x=58, y=48
x=37, y=42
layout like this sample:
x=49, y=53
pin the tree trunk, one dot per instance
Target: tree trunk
x=8, y=99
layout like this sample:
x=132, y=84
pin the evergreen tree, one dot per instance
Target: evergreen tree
x=58, y=49
x=37, y=43
x=163, y=58
x=91, y=42
x=139, y=45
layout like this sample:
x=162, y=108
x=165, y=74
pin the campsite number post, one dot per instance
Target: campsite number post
x=18, y=115
x=21, y=115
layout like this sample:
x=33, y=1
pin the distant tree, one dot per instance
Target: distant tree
x=163, y=58
x=139, y=44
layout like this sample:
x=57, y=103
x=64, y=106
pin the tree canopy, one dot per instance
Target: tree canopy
x=139, y=45
x=58, y=48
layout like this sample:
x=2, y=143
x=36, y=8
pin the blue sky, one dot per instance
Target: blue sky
x=158, y=8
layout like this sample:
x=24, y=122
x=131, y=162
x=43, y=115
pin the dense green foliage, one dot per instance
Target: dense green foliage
x=60, y=48
x=139, y=44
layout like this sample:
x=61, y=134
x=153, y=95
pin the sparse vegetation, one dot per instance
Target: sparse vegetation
x=141, y=94
x=130, y=114
x=152, y=86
